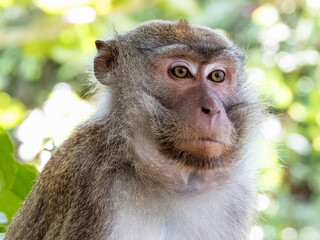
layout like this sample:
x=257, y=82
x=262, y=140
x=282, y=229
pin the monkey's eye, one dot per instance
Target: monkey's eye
x=180, y=72
x=217, y=76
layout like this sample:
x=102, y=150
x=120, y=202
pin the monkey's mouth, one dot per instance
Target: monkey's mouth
x=207, y=140
x=204, y=146
x=203, y=140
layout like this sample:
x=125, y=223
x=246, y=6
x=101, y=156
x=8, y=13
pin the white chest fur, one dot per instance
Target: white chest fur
x=221, y=214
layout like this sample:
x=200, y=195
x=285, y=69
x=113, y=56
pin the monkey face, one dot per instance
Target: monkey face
x=197, y=93
x=183, y=87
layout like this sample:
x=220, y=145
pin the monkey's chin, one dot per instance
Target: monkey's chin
x=202, y=147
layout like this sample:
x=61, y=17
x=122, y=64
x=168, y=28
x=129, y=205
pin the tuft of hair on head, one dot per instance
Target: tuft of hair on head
x=184, y=24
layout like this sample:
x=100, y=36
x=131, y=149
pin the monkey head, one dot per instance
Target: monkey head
x=183, y=88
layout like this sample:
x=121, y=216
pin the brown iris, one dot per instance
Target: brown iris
x=217, y=76
x=180, y=72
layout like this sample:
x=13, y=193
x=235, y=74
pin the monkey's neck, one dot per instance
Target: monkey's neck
x=183, y=179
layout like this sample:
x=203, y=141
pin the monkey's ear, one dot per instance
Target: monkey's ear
x=105, y=60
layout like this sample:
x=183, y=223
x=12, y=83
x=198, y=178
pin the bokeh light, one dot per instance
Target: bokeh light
x=298, y=112
x=61, y=6
x=298, y=143
x=265, y=15
x=53, y=123
x=313, y=3
x=263, y=202
x=288, y=234
x=80, y=15
x=256, y=233
x=271, y=129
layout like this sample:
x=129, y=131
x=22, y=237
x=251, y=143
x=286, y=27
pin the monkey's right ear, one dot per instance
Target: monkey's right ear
x=105, y=60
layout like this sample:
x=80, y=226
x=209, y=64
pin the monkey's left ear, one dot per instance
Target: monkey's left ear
x=105, y=60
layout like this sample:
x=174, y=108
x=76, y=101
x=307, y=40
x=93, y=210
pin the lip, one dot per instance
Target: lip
x=207, y=140
x=203, y=146
x=204, y=141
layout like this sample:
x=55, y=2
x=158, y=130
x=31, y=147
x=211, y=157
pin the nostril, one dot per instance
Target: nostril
x=205, y=110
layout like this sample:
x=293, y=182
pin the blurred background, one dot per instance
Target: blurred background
x=46, y=53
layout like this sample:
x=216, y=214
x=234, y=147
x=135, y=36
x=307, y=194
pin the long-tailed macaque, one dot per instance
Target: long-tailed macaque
x=170, y=156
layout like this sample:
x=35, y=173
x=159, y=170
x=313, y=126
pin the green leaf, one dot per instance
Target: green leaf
x=16, y=179
x=7, y=163
x=9, y=204
x=24, y=180
x=5, y=143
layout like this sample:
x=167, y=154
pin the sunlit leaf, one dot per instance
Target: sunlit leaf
x=11, y=111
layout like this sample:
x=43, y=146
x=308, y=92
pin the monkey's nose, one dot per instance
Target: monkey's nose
x=205, y=110
x=210, y=111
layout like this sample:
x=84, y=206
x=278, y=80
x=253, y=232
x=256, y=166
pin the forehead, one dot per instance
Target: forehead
x=163, y=37
x=195, y=52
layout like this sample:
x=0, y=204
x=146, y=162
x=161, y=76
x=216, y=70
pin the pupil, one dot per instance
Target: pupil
x=217, y=75
x=181, y=70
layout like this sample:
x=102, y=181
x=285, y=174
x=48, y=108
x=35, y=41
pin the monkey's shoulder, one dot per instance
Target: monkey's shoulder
x=87, y=154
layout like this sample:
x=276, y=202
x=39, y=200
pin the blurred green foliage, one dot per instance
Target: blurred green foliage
x=45, y=42
x=16, y=180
